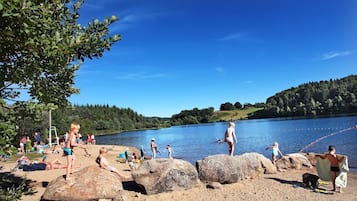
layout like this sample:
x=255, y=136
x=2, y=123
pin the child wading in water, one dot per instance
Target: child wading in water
x=275, y=152
x=334, y=160
x=103, y=163
x=169, y=151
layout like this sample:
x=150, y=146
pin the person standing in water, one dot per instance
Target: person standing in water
x=230, y=137
x=169, y=151
x=153, y=148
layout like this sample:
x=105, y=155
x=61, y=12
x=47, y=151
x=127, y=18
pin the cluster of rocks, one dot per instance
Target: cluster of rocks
x=163, y=175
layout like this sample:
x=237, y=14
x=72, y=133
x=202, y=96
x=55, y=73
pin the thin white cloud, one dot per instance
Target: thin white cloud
x=92, y=6
x=129, y=20
x=331, y=55
x=140, y=76
x=233, y=36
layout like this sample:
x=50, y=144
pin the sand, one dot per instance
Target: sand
x=281, y=186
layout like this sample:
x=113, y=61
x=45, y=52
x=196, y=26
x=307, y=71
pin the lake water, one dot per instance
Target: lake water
x=194, y=142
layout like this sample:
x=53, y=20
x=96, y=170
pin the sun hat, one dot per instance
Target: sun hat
x=152, y=139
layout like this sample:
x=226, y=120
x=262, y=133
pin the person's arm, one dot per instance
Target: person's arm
x=268, y=147
x=341, y=159
x=281, y=154
x=320, y=156
x=74, y=143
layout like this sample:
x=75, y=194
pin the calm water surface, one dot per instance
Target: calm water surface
x=195, y=142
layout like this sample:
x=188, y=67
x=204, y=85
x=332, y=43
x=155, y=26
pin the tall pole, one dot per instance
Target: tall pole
x=49, y=133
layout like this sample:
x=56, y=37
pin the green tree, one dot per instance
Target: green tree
x=226, y=106
x=238, y=105
x=42, y=46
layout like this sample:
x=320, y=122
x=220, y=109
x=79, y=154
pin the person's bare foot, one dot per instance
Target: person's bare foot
x=70, y=181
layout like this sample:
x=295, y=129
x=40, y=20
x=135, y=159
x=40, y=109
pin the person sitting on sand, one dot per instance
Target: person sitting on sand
x=103, y=163
x=133, y=162
x=275, y=152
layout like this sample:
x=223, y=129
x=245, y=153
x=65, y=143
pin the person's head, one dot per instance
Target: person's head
x=103, y=150
x=331, y=148
x=231, y=124
x=276, y=144
x=152, y=139
x=74, y=127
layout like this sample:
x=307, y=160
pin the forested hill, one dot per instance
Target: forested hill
x=314, y=98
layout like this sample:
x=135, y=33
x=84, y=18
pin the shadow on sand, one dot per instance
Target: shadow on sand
x=297, y=184
x=12, y=186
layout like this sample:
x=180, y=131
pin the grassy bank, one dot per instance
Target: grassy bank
x=233, y=114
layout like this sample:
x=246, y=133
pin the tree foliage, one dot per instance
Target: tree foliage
x=42, y=46
x=314, y=98
x=94, y=119
x=226, y=106
x=193, y=116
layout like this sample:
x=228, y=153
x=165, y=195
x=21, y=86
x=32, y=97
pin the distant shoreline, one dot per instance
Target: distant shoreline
x=277, y=118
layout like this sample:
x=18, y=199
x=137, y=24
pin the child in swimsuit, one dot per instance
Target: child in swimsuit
x=275, y=152
x=103, y=163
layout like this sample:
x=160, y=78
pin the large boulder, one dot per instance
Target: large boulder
x=163, y=175
x=227, y=169
x=89, y=183
x=218, y=168
x=293, y=161
x=254, y=164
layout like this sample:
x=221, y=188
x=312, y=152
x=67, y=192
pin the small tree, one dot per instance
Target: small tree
x=238, y=105
x=42, y=46
x=226, y=106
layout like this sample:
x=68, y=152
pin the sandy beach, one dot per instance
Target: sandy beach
x=281, y=186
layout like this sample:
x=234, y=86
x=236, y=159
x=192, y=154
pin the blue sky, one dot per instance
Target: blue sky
x=181, y=54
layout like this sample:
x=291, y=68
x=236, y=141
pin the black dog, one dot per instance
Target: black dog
x=310, y=180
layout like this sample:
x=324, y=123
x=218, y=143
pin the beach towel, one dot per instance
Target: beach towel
x=34, y=167
x=341, y=179
x=324, y=170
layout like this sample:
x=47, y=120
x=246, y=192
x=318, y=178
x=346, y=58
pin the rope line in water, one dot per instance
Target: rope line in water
x=326, y=136
x=307, y=129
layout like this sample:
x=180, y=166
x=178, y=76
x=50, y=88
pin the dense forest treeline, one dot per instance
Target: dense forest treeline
x=311, y=99
x=105, y=119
